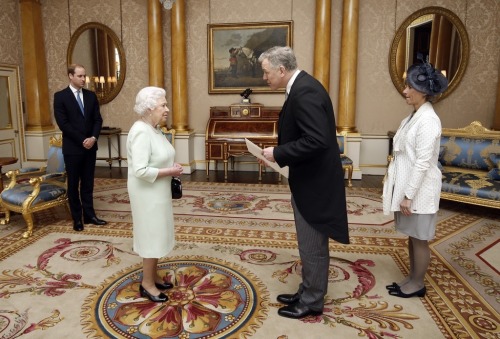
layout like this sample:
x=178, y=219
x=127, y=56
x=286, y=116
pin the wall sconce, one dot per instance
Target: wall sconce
x=167, y=4
x=444, y=72
x=101, y=85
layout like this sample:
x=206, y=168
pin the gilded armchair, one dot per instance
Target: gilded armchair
x=346, y=161
x=169, y=134
x=32, y=190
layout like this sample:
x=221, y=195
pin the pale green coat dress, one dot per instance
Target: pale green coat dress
x=150, y=197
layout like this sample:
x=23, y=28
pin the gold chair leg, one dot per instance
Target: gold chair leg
x=28, y=217
x=348, y=169
x=349, y=176
x=5, y=220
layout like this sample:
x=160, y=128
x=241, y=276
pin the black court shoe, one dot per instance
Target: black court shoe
x=164, y=286
x=393, y=286
x=397, y=293
x=160, y=298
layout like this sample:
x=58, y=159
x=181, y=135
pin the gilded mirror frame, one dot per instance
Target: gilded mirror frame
x=112, y=93
x=397, y=79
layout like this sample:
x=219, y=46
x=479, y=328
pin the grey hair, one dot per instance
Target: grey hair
x=280, y=56
x=147, y=99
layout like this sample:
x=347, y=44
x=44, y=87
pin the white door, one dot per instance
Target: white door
x=11, y=122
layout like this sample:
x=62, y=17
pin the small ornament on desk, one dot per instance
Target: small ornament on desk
x=245, y=94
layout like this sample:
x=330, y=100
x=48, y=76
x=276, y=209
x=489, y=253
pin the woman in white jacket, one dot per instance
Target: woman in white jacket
x=413, y=182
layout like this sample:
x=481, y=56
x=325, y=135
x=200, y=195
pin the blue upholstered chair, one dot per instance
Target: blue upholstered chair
x=32, y=190
x=169, y=134
x=346, y=161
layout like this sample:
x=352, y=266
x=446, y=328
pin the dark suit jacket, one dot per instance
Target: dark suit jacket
x=75, y=128
x=307, y=143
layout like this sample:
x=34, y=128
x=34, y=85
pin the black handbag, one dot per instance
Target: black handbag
x=176, y=188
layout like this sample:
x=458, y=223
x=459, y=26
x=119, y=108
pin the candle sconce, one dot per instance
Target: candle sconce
x=101, y=85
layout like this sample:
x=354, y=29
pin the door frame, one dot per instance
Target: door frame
x=12, y=139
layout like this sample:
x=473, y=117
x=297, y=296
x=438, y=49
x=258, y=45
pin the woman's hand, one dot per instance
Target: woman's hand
x=405, y=207
x=176, y=170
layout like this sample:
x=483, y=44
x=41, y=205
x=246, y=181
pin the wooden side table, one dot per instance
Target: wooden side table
x=109, y=132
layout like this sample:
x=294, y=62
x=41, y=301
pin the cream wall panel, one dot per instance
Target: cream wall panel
x=379, y=106
x=202, y=13
x=10, y=33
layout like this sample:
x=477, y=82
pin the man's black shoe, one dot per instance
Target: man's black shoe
x=297, y=311
x=288, y=299
x=78, y=226
x=95, y=221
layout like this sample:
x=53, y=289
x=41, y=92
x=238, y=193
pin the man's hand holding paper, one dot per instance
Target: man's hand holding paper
x=268, y=154
x=266, y=157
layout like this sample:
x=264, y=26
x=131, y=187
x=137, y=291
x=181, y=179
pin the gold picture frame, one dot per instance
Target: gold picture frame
x=233, y=52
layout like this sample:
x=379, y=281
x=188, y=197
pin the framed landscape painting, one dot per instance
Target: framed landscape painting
x=234, y=50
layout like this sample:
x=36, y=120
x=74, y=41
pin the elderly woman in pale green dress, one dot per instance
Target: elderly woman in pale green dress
x=151, y=167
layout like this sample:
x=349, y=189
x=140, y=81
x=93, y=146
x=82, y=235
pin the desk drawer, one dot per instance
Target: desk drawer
x=237, y=148
x=214, y=151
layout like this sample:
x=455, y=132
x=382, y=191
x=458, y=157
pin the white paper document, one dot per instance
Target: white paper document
x=257, y=151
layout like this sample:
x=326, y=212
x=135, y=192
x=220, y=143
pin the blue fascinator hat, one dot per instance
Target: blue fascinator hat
x=426, y=79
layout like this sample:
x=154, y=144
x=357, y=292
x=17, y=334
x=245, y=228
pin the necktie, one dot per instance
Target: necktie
x=80, y=103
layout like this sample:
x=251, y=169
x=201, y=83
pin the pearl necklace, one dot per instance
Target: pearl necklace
x=155, y=128
x=147, y=122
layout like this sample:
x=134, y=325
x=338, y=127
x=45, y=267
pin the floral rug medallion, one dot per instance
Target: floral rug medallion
x=210, y=296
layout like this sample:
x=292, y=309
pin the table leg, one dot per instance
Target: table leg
x=4, y=220
x=119, y=152
x=109, y=151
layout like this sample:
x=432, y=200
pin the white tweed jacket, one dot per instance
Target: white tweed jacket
x=413, y=172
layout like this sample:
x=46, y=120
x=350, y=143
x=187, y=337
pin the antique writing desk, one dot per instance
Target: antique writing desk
x=228, y=127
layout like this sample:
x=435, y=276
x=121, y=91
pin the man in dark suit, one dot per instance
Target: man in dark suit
x=78, y=116
x=307, y=144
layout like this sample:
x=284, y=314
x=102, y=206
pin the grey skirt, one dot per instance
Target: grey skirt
x=419, y=226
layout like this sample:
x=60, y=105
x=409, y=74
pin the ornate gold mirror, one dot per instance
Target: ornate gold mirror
x=98, y=49
x=440, y=36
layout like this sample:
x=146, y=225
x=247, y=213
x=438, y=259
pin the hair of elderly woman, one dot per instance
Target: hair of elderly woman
x=280, y=56
x=147, y=99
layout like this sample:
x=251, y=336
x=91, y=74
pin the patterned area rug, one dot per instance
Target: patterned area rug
x=236, y=251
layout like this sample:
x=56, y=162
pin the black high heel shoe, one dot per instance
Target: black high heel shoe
x=160, y=298
x=420, y=293
x=393, y=286
x=164, y=286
